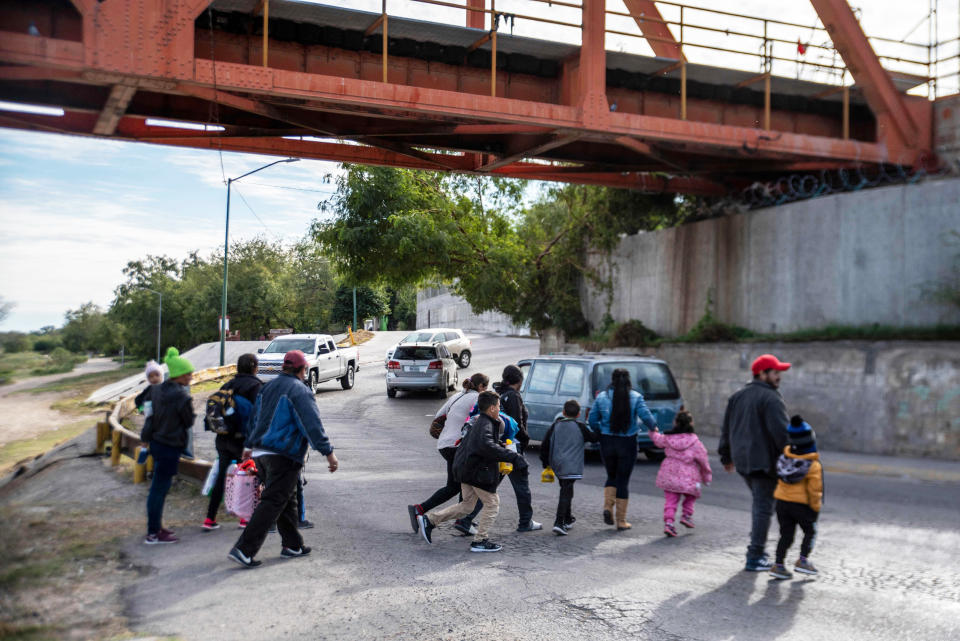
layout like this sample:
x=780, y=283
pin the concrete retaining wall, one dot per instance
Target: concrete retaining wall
x=853, y=259
x=897, y=398
x=437, y=307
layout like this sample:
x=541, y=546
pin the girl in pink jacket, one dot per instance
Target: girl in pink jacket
x=683, y=471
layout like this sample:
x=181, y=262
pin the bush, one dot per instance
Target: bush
x=633, y=333
x=15, y=342
x=59, y=361
x=47, y=344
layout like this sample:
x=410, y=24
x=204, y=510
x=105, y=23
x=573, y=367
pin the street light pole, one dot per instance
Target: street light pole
x=226, y=247
x=159, y=316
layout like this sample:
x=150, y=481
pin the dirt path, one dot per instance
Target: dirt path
x=26, y=415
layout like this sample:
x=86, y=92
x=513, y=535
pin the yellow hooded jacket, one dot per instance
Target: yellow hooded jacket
x=809, y=491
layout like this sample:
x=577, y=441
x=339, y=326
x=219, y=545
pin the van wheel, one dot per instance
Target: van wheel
x=391, y=392
x=346, y=381
x=442, y=392
x=313, y=383
x=456, y=381
x=464, y=359
x=654, y=455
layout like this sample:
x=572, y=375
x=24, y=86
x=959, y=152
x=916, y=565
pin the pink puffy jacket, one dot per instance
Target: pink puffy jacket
x=686, y=464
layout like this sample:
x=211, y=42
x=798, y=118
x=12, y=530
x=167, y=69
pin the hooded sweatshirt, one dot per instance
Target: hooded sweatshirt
x=686, y=465
x=801, y=479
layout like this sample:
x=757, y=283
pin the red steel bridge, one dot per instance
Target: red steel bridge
x=310, y=80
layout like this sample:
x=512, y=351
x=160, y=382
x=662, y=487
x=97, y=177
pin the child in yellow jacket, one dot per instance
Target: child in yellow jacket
x=799, y=495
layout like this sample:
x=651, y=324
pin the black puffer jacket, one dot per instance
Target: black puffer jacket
x=511, y=404
x=478, y=456
x=754, y=430
x=173, y=415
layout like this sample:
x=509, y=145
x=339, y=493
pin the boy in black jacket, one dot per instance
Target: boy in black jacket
x=477, y=466
x=245, y=386
x=562, y=449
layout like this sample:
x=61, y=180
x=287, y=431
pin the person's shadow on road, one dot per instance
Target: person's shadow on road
x=728, y=613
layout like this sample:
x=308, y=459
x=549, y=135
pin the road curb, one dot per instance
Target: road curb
x=872, y=469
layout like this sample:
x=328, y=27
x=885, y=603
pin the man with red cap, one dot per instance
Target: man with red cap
x=754, y=433
x=285, y=421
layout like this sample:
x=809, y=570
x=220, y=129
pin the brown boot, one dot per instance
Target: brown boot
x=609, y=496
x=622, y=514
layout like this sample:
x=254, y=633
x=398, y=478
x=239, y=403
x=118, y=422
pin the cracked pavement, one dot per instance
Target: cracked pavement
x=887, y=550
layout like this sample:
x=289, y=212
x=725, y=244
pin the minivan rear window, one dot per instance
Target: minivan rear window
x=415, y=353
x=653, y=380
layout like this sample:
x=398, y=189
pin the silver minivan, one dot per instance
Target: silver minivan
x=422, y=367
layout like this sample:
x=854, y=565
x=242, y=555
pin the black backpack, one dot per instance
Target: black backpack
x=221, y=408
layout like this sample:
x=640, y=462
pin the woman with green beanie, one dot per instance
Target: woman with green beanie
x=172, y=419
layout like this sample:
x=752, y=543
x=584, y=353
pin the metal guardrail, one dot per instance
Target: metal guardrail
x=124, y=442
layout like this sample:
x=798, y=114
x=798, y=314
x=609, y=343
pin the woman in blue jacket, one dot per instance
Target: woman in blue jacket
x=616, y=414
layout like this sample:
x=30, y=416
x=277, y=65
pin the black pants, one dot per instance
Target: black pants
x=229, y=450
x=790, y=515
x=278, y=504
x=448, y=491
x=619, y=455
x=520, y=480
x=566, y=499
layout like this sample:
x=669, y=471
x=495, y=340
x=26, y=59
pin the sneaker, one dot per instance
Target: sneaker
x=426, y=527
x=780, y=571
x=164, y=530
x=305, y=525
x=759, y=564
x=465, y=527
x=687, y=521
x=533, y=526
x=210, y=524
x=485, y=546
x=287, y=553
x=570, y=522
x=669, y=529
x=803, y=566
x=246, y=561
x=242, y=523
x=559, y=529
x=414, y=511
x=163, y=536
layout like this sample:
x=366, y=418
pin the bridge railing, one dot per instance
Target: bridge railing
x=125, y=442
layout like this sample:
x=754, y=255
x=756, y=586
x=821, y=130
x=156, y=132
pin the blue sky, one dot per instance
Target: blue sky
x=75, y=210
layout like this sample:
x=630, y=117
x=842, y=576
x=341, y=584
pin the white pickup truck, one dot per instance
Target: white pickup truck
x=325, y=361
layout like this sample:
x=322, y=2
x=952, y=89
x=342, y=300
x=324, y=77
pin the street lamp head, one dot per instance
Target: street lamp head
x=292, y=160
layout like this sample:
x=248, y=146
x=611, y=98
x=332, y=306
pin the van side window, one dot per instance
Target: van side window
x=571, y=384
x=543, y=380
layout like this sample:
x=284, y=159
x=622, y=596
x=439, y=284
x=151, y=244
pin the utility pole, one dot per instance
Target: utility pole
x=354, y=309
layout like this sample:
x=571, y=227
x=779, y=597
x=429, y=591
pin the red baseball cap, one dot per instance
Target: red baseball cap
x=768, y=361
x=294, y=358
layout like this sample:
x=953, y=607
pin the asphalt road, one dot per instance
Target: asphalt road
x=888, y=550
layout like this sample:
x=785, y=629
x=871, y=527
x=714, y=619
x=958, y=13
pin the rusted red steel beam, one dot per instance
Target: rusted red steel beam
x=653, y=28
x=895, y=122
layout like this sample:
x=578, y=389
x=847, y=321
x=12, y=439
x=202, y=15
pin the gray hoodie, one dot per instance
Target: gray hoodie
x=562, y=447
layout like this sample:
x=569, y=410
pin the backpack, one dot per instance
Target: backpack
x=221, y=408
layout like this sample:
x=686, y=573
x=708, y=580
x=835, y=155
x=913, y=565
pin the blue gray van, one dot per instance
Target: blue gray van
x=550, y=381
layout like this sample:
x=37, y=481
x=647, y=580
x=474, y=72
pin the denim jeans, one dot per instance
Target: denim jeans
x=762, y=488
x=166, y=462
x=520, y=480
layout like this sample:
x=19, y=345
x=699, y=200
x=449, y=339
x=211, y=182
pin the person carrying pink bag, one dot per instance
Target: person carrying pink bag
x=682, y=472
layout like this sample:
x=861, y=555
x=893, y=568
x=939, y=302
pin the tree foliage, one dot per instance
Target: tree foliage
x=269, y=285
x=404, y=227
x=371, y=302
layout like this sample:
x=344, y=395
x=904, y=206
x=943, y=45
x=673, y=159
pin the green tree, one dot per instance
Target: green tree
x=371, y=302
x=403, y=227
x=6, y=307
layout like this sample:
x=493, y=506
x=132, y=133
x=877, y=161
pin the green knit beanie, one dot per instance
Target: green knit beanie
x=177, y=364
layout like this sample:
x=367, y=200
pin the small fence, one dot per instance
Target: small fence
x=124, y=442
